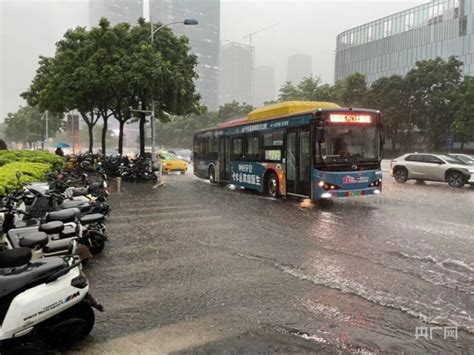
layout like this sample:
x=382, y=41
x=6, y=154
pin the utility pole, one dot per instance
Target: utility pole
x=47, y=129
x=187, y=22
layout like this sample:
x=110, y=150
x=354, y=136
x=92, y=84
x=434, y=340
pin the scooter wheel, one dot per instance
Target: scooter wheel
x=96, y=242
x=70, y=326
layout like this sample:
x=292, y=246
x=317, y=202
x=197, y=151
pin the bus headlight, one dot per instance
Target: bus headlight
x=328, y=186
x=376, y=183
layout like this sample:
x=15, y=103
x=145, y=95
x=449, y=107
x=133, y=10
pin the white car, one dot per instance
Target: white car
x=432, y=167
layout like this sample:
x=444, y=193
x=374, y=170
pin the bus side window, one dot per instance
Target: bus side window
x=236, y=148
x=252, y=149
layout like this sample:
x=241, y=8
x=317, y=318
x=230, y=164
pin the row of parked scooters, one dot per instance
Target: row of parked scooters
x=48, y=232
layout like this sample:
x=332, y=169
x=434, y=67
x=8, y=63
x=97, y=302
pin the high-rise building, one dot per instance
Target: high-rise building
x=237, y=76
x=115, y=11
x=264, y=84
x=203, y=38
x=299, y=67
x=393, y=44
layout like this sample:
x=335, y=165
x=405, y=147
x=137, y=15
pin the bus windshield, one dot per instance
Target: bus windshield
x=350, y=144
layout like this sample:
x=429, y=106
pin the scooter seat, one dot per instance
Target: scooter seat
x=83, y=207
x=34, y=240
x=53, y=227
x=80, y=191
x=70, y=230
x=17, y=234
x=58, y=246
x=92, y=218
x=65, y=216
x=14, y=257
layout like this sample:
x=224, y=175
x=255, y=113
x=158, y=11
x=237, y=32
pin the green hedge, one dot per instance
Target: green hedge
x=34, y=166
x=36, y=156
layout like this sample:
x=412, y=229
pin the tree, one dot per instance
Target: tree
x=463, y=124
x=288, y=92
x=353, y=90
x=3, y=145
x=163, y=71
x=388, y=95
x=433, y=88
x=233, y=110
x=180, y=130
x=28, y=125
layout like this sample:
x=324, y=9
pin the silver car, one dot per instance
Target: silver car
x=432, y=167
x=465, y=158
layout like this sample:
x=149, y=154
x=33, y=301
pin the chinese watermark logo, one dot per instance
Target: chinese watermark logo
x=427, y=332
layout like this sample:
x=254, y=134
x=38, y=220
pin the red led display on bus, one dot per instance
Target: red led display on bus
x=349, y=118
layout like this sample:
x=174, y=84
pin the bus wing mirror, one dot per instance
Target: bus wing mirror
x=320, y=137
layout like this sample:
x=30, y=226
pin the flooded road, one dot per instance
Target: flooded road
x=192, y=267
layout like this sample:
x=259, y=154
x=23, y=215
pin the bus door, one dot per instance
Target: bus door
x=298, y=161
x=224, y=158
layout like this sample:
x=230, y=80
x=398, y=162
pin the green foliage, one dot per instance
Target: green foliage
x=28, y=125
x=354, y=90
x=389, y=95
x=288, y=92
x=178, y=133
x=233, y=110
x=463, y=124
x=30, y=172
x=34, y=165
x=107, y=70
x=349, y=92
x=433, y=88
x=11, y=156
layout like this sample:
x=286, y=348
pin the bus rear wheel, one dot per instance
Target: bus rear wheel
x=271, y=185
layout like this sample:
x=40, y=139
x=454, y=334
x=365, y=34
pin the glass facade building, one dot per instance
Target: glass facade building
x=203, y=38
x=393, y=44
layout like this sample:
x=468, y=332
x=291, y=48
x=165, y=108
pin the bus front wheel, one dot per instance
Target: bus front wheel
x=271, y=185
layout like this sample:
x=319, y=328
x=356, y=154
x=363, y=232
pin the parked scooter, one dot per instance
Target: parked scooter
x=60, y=226
x=46, y=297
x=138, y=169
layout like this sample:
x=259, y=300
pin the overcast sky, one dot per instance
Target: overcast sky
x=30, y=28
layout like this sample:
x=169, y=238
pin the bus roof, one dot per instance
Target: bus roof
x=288, y=108
x=281, y=110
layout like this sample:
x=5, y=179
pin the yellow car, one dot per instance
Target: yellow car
x=170, y=162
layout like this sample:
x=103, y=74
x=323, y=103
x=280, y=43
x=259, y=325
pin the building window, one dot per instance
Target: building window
x=369, y=34
x=409, y=21
x=351, y=38
x=462, y=26
x=387, y=28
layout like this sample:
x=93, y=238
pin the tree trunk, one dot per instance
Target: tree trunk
x=120, y=140
x=90, y=128
x=104, y=134
x=142, y=134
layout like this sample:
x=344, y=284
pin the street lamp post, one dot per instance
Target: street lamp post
x=153, y=31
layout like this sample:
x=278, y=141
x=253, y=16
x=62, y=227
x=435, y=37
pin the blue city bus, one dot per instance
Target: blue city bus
x=314, y=150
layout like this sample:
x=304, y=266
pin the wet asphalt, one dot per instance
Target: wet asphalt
x=197, y=268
